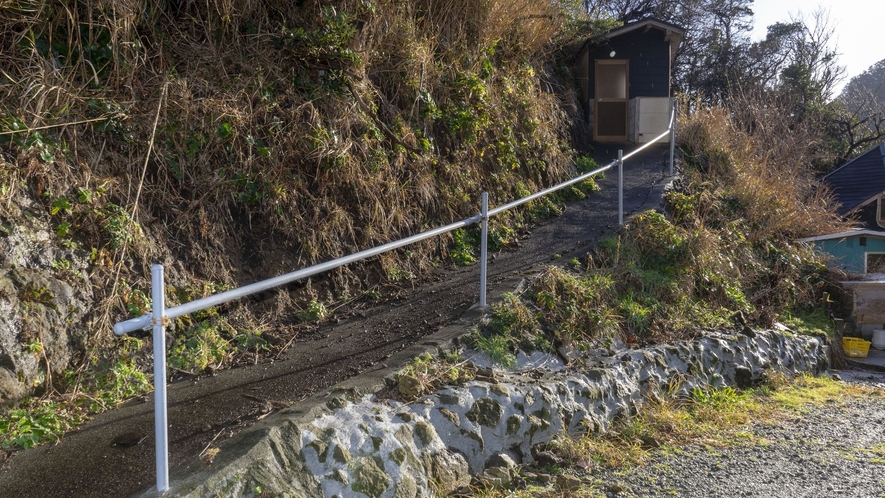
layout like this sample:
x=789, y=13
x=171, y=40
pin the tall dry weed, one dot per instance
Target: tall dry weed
x=522, y=26
x=289, y=132
x=767, y=174
x=752, y=189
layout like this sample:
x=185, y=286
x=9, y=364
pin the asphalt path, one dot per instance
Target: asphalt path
x=113, y=455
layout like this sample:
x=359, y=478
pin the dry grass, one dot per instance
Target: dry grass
x=768, y=171
x=288, y=133
x=728, y=250
x=330, y=149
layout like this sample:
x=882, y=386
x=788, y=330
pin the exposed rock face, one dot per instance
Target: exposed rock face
x=432, y=446
x=44, y=294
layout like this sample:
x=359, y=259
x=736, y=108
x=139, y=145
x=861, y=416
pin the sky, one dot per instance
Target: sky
x=858, y=28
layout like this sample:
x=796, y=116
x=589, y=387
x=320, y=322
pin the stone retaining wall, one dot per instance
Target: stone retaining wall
x=358, y=446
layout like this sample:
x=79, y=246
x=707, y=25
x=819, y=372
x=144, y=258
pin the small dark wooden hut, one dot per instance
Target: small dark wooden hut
x=624, y=80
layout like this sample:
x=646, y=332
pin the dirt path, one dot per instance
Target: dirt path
x=206, y=410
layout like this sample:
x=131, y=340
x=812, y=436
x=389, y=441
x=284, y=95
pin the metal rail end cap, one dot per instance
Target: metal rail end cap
x=141, y=323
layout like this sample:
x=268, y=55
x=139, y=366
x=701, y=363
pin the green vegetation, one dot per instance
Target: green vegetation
x=278, y=134
x=809, y=320
x=511, y=326
x=498, y=347
x=314, y=129
x=40, y=421
x=208, y=341
x=119, y=382
x=726, y=248
x=464, y=246
x=36, y=422
x=314, y=311
x=427, y=373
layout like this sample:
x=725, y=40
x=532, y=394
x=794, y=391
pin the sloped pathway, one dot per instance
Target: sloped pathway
x=113, y=455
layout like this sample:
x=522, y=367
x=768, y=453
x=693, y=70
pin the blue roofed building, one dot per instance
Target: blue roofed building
x=624, y=81
x=858, y=187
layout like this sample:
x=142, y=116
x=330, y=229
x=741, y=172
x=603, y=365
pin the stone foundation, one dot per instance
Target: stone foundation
x=361, y=446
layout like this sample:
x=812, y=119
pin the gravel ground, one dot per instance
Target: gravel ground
x=835, y=450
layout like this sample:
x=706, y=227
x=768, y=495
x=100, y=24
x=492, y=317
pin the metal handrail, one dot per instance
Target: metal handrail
x=148, y=320
x=144, y=322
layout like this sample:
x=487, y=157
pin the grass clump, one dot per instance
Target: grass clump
x=121, y=381
x=314, y=311
x=427, y=373
x=463, y=249
x=583, y=317
x=804, y=390
x=809, y=320
x=200, y=345
x=500, y=349
x=37, y=422
x=510, y=326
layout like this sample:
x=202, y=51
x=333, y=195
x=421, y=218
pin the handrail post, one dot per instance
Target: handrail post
x=673, y=135
x=620, y=187
x=159, y=331
x=484, y=250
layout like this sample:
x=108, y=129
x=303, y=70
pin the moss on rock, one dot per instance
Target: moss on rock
x=370, y=478
x=486, y=412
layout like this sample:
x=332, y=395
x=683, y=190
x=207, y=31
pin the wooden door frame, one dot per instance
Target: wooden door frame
x=625, y=100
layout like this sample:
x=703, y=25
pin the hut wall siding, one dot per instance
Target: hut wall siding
x=649, y=56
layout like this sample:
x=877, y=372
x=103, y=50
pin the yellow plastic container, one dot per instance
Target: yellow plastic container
x=855, y=348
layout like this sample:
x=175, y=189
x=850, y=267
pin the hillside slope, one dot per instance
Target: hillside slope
x=235, y=141
x=208, y=410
